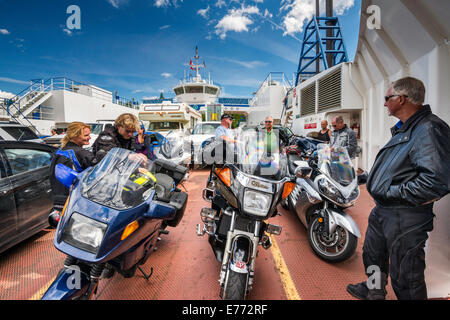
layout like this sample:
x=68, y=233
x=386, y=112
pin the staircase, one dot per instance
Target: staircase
x=19, y=107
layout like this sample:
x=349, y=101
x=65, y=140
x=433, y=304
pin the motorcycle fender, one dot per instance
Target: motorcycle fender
x=69, y=284
x=344, y=220
x=241, y=254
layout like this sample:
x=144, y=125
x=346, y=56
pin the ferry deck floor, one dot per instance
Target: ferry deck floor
x=184, y=266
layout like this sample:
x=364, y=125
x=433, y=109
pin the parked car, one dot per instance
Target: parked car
x=202, y=132
x=13, y=131
x=25, y=190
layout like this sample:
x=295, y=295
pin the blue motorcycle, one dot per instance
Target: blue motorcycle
x=112, y=219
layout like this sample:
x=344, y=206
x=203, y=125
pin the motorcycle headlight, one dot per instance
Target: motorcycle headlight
x=256, y=202
x=84, y=233
x=330, y=191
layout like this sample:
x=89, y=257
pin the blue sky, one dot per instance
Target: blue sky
x=142, y=47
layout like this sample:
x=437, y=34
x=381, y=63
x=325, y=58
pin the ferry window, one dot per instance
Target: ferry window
x=194, y=89
x=179, y=91
x=163, y=125
x=210, y=90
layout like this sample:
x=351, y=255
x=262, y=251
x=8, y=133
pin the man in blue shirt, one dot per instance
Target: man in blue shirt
x=224, y=130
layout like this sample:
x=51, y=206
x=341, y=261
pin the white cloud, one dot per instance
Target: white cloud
x=67, y=31
x=166, y=75
x=166, y=3
x=10, y=80
x=4, y=31
x=6, y=95
x=204, y=12
x=300, y=11
x=165, y=27
x=220, y=3
x=237, y=20
x=117, y=3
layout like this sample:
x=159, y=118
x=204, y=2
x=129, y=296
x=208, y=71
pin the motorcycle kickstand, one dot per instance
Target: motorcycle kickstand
x=146, y=276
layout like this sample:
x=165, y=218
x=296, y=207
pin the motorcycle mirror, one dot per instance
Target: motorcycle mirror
x=65, y=175
x=302, y=170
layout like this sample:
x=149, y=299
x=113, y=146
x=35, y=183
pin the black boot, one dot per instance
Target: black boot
x=362, y=292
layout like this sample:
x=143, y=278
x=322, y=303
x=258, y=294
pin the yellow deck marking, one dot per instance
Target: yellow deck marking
x=38, y=295
x=288, y=283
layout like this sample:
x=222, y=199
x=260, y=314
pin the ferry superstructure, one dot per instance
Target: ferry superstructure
x=415, y=43
x=56, y=102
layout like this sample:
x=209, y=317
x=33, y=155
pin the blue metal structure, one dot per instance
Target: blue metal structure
x=318, y=27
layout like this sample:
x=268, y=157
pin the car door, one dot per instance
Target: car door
x=8, y=213
x=28, y=167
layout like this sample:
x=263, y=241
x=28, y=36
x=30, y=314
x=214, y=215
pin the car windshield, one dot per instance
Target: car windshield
x=119, y=180
x=258, y=153
x=96, y=128
x=20, y=133
x=336, y=164
x=205, y=128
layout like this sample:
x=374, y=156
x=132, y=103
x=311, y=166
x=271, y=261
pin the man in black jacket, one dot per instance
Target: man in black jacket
x=410, y=173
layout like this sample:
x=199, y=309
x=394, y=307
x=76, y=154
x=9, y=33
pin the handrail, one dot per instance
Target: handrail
x=284, y=81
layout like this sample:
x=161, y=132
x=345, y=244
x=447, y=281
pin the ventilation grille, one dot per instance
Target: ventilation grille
x=330, y=91
x=308, y=105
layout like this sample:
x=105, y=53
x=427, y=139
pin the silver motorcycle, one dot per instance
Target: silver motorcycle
x=326, y=185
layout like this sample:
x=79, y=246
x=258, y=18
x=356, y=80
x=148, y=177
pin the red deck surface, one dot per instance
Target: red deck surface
x=185, y=267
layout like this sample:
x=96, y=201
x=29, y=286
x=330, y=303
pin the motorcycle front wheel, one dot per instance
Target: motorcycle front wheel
x=337, y=247
x=236, y=286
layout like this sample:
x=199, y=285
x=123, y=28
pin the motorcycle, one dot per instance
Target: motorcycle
x=244, y=194
x=112, y=219
x=326, y=185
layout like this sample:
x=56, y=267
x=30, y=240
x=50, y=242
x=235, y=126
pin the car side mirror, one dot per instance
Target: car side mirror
x=362, y=178
x=65, y=175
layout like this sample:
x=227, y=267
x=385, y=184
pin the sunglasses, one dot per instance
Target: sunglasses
x=268, y=121
x=386, y=98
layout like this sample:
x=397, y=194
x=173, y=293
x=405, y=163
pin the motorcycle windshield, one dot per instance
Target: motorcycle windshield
x=119, y=180
x=259, y=154
x=175, y=147
x=336, y=164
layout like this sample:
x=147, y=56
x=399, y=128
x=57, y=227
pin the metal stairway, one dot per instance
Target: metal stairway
x=20, y=106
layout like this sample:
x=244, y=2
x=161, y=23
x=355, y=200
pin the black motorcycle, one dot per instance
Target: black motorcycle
x=244, y=193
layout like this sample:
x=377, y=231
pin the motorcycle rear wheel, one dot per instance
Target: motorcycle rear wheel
x=236, y=286
x=336, y=248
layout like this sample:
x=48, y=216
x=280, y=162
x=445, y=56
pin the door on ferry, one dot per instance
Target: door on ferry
x=8, y=213
x=28, y=167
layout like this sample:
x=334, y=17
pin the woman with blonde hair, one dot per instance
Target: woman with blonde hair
x=73, y=155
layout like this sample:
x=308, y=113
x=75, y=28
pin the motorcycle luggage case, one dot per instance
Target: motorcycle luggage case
x=173, y=170
x=178, y=200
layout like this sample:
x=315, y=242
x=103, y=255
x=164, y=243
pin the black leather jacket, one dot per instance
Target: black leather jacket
x=108, y=139
x=413, y=168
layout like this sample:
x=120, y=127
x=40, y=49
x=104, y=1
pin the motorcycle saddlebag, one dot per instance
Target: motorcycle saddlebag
x=178, y=200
